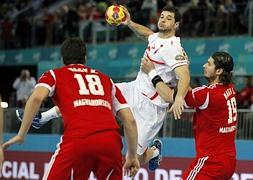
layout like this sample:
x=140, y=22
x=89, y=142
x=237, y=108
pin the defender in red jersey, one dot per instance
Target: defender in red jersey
x=88, y=101
x=214, y=123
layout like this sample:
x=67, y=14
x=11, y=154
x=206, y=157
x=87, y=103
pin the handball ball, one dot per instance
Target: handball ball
x=114, y=15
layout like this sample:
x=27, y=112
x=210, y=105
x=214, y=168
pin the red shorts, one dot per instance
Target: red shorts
x=219, y=167
x=75, y=158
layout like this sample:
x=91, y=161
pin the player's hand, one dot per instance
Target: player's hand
x=147, y=65
x=177, y=107
x=15, y=140
x=128, y=16
x=131, y=165
x=1, y=157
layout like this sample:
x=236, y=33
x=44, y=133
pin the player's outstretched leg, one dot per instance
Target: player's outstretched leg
x=155, y=162
x=36, y=121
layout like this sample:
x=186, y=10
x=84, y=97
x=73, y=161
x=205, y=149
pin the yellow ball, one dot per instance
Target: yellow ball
x=114, y=15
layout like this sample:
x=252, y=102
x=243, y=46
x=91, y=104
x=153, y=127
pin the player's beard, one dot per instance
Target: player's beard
x=165, y=31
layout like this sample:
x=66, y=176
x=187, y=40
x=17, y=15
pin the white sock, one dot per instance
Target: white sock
x=155, y=153
x=48, y=115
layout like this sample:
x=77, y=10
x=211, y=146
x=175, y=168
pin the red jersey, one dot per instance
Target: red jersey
x=214, y=122
x=87, y=99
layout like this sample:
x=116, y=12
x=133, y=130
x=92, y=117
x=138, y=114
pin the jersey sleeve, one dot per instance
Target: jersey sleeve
x=197, y=98
x=48, y=81
x=175, y=56
x=118, y=99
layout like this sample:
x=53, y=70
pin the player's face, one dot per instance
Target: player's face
x=210, y=70
x=166, y=22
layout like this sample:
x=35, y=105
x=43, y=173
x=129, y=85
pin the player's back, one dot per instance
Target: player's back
x=84, y=97
x=215, y=123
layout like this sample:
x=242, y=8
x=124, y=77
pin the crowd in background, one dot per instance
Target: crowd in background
x=26, y=23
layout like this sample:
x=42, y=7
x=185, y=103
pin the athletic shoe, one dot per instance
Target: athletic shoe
x=154, y=163
x=36, y=121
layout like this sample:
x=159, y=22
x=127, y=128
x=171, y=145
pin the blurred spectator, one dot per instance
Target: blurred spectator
x=198, y=17
x=134, y=8
x=58, y=31
x=71, y=21
x=7, y=28
x=226, y=17
x=87, y=14
x=24, y=85
x=48, y=25
x=84, y=23
x=251, y=105
x=23, y=32
x=244, y=17
x=245, y=96
x=178, y=3
x=149, y=13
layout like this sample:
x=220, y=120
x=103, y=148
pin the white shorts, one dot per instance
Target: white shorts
x=149, y=117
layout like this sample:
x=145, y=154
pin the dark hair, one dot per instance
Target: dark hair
x=73, y=51
x=173, y=10
x=224, y=61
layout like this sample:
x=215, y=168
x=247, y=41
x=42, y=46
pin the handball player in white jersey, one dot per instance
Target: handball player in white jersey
x=148, y=105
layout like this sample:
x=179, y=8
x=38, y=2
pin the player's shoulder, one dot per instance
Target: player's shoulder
x=173, y=44
x=59, y=69
x=95, y=71
x=219, y=89
x=200, y=88
x=231, y=85
x=152, y=37
x=103, y=77
x=220, y=86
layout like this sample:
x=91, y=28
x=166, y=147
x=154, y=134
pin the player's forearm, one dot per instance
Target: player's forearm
x=183, y=83
x=130, y=130
x=165, y=92
x=141, y=31
x=32, y=107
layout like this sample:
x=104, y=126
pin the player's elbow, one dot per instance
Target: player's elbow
x=130, y=123
x=130, y=126
x=127, y=118
x=39, y=94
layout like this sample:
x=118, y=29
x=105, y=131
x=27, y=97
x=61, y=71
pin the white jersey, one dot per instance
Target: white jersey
x=166, y=54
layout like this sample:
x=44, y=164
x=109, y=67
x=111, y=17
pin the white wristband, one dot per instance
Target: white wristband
x=152, y=73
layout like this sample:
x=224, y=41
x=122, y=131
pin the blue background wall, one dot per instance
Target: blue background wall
x=122, y=60
x=172, y=147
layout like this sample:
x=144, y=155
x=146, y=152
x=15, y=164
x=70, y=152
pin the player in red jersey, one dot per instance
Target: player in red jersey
x=88, y=101
x=214, y=123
